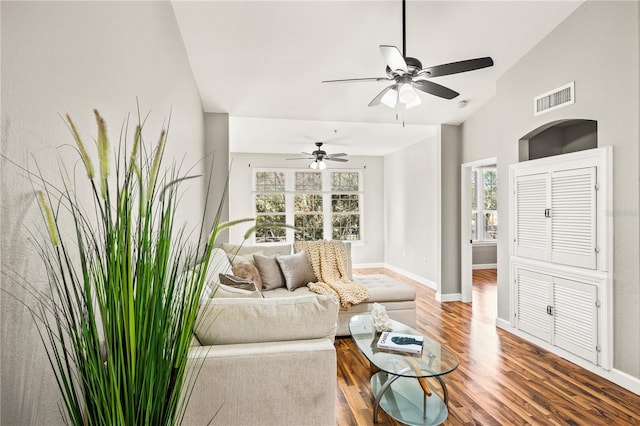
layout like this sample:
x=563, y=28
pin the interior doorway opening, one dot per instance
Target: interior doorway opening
x=479, y=224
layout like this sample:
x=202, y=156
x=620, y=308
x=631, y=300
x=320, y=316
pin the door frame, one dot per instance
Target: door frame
x=466, y=248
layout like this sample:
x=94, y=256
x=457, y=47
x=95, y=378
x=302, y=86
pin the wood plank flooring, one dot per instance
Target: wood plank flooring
x=502, y=379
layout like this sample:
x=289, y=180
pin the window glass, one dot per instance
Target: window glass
x=308, y=216
x=269, y=181
x=484, y=204
x=345, y=221
x=270, y=209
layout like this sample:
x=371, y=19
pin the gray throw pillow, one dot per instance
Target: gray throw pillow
x=296, y=269
x=270, y=272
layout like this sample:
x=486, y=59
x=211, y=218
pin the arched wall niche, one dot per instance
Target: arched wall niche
x=559, y=137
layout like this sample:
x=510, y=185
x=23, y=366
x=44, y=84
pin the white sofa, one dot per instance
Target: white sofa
x=270, y=360
x=264, y=361
x=398, y=298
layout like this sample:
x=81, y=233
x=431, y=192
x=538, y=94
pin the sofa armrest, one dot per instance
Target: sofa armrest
x=279, y=383
x=241, y=320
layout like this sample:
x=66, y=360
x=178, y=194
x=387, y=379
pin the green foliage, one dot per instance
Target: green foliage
x=118, y=318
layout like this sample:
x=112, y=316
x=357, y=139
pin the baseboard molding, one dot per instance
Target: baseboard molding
x=413, y=276
x=616, y=376
x=449, y=297
x=485, y=266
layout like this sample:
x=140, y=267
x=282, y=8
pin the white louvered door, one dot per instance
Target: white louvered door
x=532, y=227
x=532, y=299
x=575, y=313
x=573, y=217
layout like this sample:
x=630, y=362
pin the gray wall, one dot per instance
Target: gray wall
x=484, y=254
x=412, y=209
x=371, y=251
x=216, y=169
x=450, y=160
x=60, y=57
x=598, y=36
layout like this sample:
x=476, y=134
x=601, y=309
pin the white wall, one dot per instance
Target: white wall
x=597, y=47
x=60, y=57
x=371, y=251
x=412, y=203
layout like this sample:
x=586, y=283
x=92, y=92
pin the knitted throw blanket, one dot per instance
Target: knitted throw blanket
x=329, y=262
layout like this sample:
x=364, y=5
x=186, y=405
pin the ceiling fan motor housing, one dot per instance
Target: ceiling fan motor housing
x=413, y=66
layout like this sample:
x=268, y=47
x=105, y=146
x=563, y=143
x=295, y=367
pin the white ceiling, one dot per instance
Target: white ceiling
x=266, y=59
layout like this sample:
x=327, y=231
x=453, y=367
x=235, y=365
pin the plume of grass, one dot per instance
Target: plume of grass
x=103, y=153
x=83, y=152
x=118, y=319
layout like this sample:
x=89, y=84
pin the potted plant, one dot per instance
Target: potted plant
x=117, y=319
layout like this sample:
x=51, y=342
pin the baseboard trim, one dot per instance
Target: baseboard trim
x=449, y=297
x=413, y=276
x=485, y=266
x=614, y=375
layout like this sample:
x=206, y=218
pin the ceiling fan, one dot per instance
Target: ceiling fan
x=319, y=155
x=406, y=74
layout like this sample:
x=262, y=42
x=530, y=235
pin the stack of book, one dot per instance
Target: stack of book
x=401, y=342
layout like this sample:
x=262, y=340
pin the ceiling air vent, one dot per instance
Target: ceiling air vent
x=557, y=98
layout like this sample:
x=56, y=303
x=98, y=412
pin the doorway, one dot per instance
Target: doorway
x=478, y=219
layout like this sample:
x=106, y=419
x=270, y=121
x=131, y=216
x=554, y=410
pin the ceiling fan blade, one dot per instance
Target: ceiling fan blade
x=344, y=160
x=301, y=158
x=340, y=154
x=351, y=80
x=457, y=67
x=432, y=88
x=393, y=58
x=376, y=101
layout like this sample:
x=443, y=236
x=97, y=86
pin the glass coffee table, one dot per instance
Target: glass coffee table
x=399, y=380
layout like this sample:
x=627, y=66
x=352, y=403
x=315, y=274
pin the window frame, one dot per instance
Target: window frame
x=326, y=192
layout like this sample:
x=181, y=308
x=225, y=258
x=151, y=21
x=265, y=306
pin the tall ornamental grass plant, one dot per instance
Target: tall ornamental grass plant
x=118, y=315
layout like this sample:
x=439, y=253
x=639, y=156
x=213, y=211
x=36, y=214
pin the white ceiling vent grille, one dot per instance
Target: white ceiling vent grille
x=557, y=98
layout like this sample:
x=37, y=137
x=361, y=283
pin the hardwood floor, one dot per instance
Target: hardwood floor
x=501, y=380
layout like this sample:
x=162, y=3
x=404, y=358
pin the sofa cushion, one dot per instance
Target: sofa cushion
x=296, y=270
x=270, y=272
x=267, y=250
x=385, y=289
x=229, y=321
x=236, y=258
x=218, y=264
x=247, y=271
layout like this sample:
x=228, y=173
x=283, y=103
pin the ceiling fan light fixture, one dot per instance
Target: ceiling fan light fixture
x=390, y=98
x=313, y=165
x=417, y=101
x=322, y=165
x=406, y=94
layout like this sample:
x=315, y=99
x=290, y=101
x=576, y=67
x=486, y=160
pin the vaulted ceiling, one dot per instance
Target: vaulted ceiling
x=266, y=59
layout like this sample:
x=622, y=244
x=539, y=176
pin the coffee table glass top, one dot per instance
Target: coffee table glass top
x=435, y=359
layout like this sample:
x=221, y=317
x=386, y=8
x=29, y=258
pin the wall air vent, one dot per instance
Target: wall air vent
x=557, y=98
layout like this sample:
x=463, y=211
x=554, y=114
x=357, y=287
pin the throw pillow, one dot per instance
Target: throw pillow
x=296, y=270
x=225, y=291
x=247, y=271
x=270, y=272
x=237, y=282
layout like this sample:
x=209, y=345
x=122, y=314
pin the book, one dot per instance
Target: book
x=401, y=342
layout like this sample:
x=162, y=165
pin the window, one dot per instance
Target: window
x=307, y=206
x=484, y=204
x=325, y=204
x=270, y=206
x=345, y=206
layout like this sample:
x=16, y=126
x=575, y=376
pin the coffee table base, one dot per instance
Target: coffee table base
x=404, y=400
